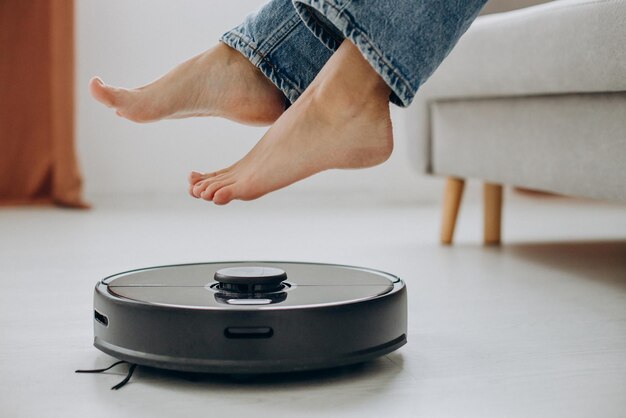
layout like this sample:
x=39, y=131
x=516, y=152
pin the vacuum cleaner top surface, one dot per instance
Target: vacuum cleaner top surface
x=249, y=317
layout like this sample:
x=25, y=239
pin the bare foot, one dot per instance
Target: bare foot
x=341, y=121
x=219, y=82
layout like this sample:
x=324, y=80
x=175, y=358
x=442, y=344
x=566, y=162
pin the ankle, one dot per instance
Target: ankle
x=343, y=98
x=227, y=55
x=352, y=73
x=351, y=93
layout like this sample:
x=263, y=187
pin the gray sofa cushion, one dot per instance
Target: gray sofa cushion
x=567, y=46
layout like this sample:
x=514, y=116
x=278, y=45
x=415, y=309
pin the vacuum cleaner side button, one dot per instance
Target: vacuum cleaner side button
x=248, y=332
x=249, y=301
x=101, y=318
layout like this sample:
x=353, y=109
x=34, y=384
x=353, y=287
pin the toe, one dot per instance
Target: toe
x=190, y=190
x=199, y=188
x=210, y=191
x=196, y=176
x=224, y=195
x=109, y=96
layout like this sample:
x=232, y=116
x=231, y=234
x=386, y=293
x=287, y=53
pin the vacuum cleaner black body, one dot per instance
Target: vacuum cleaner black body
x=249, y=317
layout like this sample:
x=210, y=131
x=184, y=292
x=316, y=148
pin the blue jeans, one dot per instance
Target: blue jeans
x=403, y=40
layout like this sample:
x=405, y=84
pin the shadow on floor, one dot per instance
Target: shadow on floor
x=381, y=371
x=602, y=261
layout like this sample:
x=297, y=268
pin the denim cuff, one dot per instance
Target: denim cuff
x=259, y=57
x=331, y=22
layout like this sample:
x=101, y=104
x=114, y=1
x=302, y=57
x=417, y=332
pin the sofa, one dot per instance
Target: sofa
x=534, y=98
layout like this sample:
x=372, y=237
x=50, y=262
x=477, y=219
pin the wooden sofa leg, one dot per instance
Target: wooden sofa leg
x=451, y=201
x=492, y=201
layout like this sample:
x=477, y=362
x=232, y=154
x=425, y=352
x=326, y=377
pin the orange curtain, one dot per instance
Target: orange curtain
x=37, y=156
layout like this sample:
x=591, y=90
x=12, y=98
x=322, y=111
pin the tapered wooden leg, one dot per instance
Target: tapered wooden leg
x=492, y=200
x=451, y=201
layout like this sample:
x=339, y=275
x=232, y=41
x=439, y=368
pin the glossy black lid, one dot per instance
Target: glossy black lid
x=195, y=285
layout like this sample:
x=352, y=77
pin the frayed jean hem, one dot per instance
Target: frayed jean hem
x=259, y=58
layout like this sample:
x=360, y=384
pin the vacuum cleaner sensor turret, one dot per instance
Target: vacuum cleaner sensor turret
x=249, y=317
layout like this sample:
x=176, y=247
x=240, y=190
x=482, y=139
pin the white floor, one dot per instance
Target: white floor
x=534, y=328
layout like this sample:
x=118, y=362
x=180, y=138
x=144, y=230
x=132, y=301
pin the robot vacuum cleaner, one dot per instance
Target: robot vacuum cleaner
x=249, y=317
